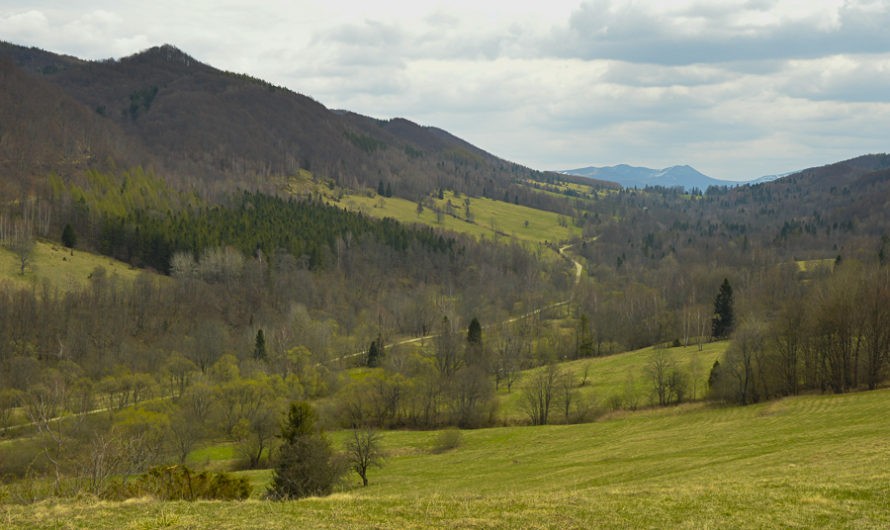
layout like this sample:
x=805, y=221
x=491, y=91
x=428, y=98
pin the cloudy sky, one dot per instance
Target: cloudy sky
x=736, y=88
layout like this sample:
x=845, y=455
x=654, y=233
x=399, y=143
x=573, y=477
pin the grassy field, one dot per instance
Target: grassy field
x=615, y=376
x=812, y=461
x=491, y=219
x=61, y=268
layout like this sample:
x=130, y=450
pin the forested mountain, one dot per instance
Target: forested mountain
x=218, y=131
x=43, y=130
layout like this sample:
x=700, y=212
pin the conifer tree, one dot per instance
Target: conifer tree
x=69, y=237
x=259, y=349
x=374, y=354
x=722, y=322
x=306, y=464
x=474, y=351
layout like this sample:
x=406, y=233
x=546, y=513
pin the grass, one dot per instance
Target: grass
x=60, y=267
x=811, y=461
x=610, y=376
x=815, y=264
x=491, y=219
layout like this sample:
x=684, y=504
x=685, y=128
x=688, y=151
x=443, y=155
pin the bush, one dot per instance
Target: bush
x=180, y=483
x=447, y=440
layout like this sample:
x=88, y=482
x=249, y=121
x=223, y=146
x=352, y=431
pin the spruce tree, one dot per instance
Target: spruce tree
x=306, y=464
x=69, y=238
x=374, y=354
x=474, y=332
x=723, y=322
x=474, y=350
x=259, y=348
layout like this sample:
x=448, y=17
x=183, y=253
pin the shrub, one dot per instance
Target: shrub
x=180, y=483
x=447, y=440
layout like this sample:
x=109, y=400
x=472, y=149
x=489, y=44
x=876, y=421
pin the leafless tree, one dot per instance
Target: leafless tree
x=538, y=393
x=364, y=451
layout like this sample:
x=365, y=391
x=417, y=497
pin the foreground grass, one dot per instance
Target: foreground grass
x=813, y=461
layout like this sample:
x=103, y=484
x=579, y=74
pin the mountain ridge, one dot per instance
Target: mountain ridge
x=629, y=176
x=216, y=131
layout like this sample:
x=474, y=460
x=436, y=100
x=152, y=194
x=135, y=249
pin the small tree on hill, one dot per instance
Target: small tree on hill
x=306, y=464
x=259, y=348
x=375, y=352
x=363, y=452
x=474, y=342
x=69, y=237
x=723, y=322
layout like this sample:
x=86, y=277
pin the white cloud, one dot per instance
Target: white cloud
x=737, y=88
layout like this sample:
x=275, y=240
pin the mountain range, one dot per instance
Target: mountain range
x=211, y=131
x=684, y=176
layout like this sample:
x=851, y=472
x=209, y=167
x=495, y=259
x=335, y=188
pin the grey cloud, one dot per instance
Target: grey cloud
x=706, y=34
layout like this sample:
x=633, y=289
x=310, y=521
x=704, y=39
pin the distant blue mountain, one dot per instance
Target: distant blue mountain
x=640, y=177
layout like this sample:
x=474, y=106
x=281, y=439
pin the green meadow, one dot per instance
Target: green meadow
x=60, y=267
x=600, y=382
x=804, y=462
x=489, y=218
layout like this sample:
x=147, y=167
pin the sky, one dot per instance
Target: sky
x=736, y=88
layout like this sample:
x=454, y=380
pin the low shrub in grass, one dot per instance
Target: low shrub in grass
x=181, y=483
x=447, y=440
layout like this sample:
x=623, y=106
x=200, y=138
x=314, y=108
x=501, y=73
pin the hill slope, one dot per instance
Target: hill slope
x=814, y=461
x=218, y=130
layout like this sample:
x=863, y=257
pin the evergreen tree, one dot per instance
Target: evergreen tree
x=722, y=322
x=259, y=349
x=714, y=376
x=69, y=238
x=381, y=190
x=474, y=332
x=474, y=350
x=374, y=354
x=306, y=464
x=388, y=189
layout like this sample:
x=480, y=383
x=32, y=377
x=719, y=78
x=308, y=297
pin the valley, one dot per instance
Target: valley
x=203, y=274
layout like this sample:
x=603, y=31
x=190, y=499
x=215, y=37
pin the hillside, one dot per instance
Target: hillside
x=59, y=268
x=218, y=131
x=44, y=130
x=812, y=461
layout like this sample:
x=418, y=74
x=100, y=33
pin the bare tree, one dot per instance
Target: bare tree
x=658, y=370
x=364, y=452
x=21, y=243
x=537, y=394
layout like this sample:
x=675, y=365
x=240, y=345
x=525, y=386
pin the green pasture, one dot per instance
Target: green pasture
x=60, y=267
x=815, y=264
x=615, y=377
x=491, y=219
x=819, y=461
